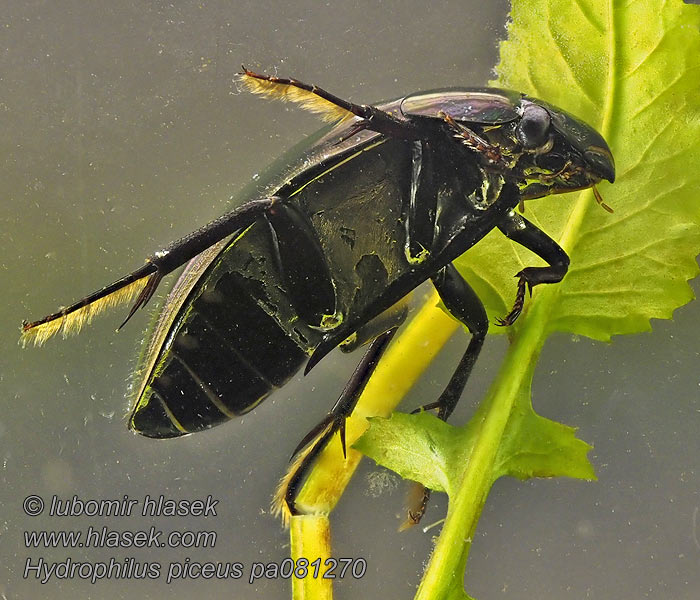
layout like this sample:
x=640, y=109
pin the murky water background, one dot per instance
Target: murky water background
x=122, y=130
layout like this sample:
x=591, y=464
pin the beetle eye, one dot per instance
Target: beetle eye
x=532, y=131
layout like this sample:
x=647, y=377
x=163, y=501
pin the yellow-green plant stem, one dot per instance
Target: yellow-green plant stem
x=449, y=556
x=450, y=553
x=311, y=540
x=404, y=362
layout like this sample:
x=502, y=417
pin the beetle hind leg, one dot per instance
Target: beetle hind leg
x=142, y=283
x=284, y=502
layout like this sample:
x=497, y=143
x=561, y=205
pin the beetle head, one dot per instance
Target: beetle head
x=547, y=150
x=559, y=153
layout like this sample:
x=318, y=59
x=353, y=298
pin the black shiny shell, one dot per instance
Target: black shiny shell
x=473, y=105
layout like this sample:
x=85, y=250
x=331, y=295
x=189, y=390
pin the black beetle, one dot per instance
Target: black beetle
x=323, y=253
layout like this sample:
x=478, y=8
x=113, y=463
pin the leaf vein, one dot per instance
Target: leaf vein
x=680, y=77
x=647, y=55
x=586, y=12
x=562, y=46
x=632, y=291
x=649, y=146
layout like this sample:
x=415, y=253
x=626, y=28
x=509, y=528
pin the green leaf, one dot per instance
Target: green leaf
x=423, y=448
x=631, y=70
x=533, y=446
x=417, y=447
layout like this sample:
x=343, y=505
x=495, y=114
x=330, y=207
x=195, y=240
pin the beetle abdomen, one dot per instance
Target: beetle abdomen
x=223, y=358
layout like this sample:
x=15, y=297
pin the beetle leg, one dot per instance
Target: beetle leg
x=392, y=317
x=463, y=303
x=329, y=106
x=474, y=141
x=319, y=437
x=520, y=230
x=143, y=282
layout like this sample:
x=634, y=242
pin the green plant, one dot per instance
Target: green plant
x=631, y=70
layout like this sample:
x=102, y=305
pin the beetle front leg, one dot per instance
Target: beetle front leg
x=474, y=142
x=522, y=231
